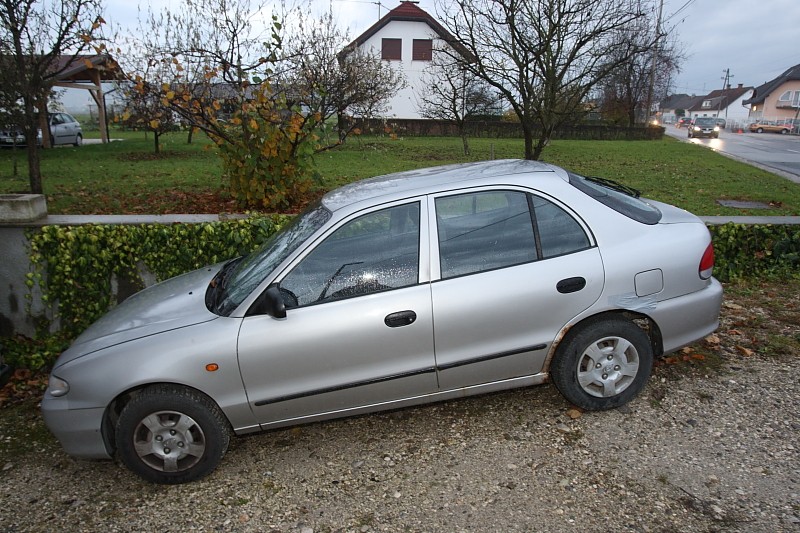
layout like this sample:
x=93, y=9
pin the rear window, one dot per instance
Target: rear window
x=620, y=198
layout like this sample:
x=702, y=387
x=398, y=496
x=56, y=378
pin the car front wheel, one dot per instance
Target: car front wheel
x=168, y=434
x=603, y=364
x=78, y=140
x=760, y=130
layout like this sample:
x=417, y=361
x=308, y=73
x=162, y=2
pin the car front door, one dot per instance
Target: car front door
x=358, y=330
x=513, y=268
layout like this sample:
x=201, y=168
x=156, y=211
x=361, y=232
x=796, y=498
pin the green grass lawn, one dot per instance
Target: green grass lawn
x=127, y=176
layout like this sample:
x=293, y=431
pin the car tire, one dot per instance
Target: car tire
x=716, y=136
x=784, y=131
x=603, y=364
x=759, y=130
x=78, y=140
x=169, y=434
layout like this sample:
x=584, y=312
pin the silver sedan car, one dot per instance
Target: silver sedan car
x=399, y=290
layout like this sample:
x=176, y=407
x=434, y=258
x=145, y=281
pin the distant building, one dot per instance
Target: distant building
x=728, y=104
x=408, y=37
x=778, y=99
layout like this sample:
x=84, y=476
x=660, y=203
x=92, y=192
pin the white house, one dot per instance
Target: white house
x=724, y=103
x=408, y=37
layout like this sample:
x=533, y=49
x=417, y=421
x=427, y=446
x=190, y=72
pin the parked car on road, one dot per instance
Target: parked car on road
x=704, y=127
x=64, y=129
x=400, y=290
x=770, y=126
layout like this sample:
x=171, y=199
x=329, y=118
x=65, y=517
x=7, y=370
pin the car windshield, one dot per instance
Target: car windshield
x=248, y=273
x=618, y=197
x=705, y=122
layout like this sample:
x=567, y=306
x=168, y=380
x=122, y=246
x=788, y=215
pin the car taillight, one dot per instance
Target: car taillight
x=707, y=262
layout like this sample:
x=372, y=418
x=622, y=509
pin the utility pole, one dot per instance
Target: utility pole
x=726, y=81
x=653, y=63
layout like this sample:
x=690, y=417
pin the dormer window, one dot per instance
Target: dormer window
x=706, y=104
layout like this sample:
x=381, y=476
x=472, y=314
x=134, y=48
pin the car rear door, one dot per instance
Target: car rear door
x=359, y=325
x=510, y=269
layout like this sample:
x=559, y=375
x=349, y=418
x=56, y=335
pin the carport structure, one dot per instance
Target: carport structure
x=87, y=72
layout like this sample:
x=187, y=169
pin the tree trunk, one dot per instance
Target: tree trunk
x=191, y=134
x=156, y=135
x=34, y=170
x=528, y=133
x=462, y=131
x=32, y=148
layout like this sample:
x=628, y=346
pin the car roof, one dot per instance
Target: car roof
x=429, y=179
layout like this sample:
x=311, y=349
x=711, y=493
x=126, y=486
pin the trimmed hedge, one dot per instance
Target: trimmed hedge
x=74, y=266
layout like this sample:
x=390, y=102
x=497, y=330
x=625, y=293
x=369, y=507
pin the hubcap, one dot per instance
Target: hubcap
x=607, y=367
x=169, y=441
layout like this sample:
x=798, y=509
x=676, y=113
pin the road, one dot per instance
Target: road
x=773, y=152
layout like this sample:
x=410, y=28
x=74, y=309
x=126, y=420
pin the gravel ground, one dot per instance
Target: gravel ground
x=713, y=444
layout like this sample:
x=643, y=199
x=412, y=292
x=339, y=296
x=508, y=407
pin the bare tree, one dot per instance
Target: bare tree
x=454, y=94
x=623, y=94
x=324, y=77
x=544, y=56
x=34, y=35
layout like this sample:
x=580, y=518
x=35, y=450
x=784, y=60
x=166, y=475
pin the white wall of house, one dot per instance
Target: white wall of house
x=404, y=104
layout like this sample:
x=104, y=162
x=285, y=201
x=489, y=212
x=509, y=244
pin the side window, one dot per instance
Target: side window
x=559, y=233
x=374, y=252
x=484, y=231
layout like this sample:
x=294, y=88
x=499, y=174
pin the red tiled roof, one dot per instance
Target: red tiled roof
x=409, y=11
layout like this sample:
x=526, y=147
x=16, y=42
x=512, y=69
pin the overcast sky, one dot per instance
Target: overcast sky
x=756, y=39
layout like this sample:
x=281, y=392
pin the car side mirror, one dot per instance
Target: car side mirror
x=270, y=302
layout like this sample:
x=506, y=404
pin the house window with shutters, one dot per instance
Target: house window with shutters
x=391, y=49
x=422, y=50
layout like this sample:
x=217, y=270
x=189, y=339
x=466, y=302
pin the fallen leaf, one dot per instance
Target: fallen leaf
x=712, y=339
x=574, y=413
x=745, y=351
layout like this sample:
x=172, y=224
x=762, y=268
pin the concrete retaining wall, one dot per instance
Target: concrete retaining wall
x=16, y=317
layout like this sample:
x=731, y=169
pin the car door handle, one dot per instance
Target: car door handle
x=399, y=319
x=565, y=286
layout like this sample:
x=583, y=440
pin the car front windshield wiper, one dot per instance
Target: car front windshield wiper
x=216, y=288
x=615, y=185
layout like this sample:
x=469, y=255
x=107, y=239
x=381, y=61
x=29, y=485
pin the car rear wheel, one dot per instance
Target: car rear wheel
x=784, y=131
x=168, y=434
x=603, y=364
x=759, y=130
x=78, y=140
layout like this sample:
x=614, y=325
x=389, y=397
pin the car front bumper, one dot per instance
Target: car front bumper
x=704, y=133
x=78, y=430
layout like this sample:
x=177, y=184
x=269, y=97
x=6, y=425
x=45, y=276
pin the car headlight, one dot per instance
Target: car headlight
x=57, y=386
x=697, y=128
x=716, y=128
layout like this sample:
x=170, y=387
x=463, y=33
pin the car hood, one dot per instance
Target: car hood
x=172, y=304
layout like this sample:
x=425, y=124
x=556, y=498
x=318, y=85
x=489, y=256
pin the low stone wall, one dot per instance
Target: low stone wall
x=22, y=310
